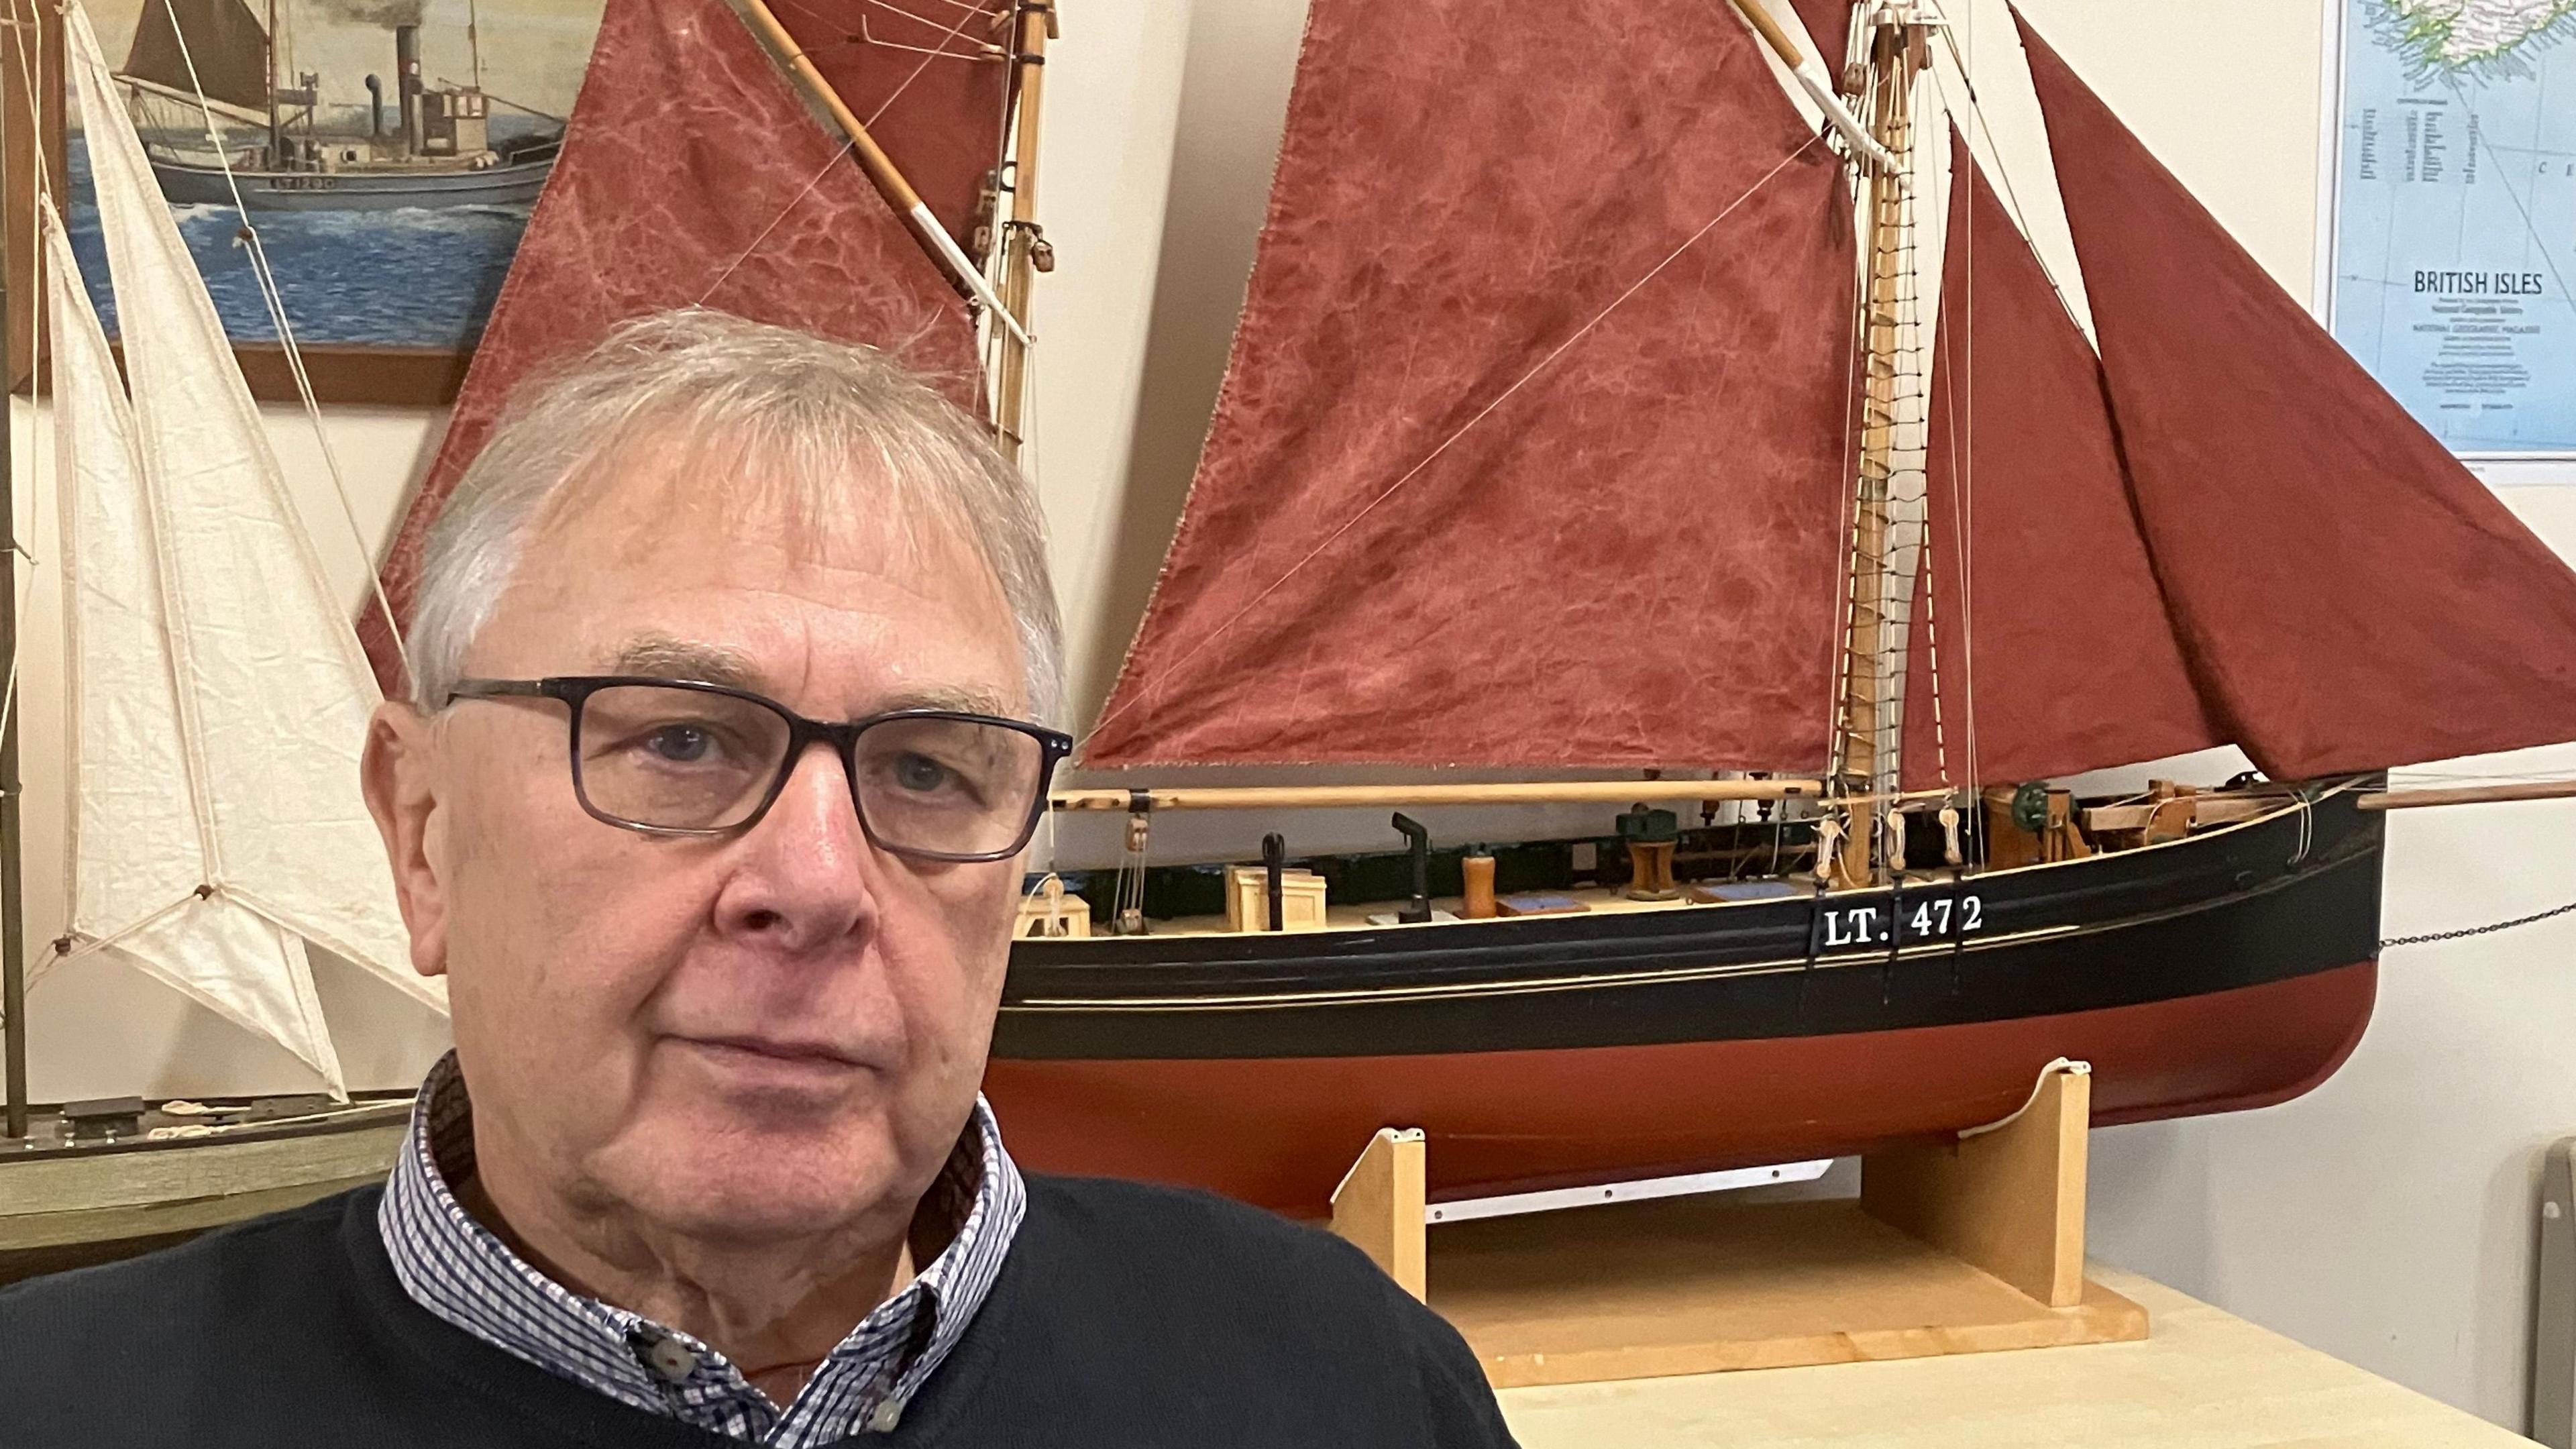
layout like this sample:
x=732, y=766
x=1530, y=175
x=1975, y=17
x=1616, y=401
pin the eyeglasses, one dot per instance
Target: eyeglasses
x=677, y=757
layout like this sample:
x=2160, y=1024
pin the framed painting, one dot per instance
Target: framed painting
x=387, y=153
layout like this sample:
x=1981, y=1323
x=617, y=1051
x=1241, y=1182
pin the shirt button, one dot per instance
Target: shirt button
x=887, y=1416
x=672, y=1359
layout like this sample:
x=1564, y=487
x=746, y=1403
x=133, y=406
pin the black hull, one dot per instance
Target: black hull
x=2231, y=970
x=2272, y=899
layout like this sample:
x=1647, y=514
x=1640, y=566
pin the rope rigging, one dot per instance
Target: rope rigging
x=2464, y=932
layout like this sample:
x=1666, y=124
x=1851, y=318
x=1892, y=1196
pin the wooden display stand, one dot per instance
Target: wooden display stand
x=1952, y=1247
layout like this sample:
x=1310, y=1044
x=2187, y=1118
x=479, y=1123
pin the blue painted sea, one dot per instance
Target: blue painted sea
x=411, y=278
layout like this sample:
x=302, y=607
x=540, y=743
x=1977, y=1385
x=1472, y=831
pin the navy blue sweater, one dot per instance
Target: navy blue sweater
x=1126, y=1315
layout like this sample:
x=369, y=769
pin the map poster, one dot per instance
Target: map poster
x=2454, y=215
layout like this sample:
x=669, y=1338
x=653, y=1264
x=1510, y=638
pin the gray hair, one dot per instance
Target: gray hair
x=805, y=408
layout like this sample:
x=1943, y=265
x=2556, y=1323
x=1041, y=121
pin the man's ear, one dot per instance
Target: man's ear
x=401, y=774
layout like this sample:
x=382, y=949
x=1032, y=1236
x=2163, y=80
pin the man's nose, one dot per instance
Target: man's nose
x=807, y=874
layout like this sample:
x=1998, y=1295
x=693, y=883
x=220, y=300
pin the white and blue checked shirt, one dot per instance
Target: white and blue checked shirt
x=456, y=1268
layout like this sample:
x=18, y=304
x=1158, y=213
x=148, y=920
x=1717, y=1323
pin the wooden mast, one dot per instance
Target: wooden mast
x=13, y=904
x=1024, y=246
x=1897, y=54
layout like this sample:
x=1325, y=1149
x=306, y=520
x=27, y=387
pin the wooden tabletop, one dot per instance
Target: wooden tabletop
x=2204, y=1379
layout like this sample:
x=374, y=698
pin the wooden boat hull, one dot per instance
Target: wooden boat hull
x=67, y=1206
x=390, y=189
x=2234, y=969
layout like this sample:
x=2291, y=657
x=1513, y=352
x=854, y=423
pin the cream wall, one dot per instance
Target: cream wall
x=2385, y=1218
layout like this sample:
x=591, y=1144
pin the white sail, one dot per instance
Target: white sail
x=273, y=694
x=137, y=857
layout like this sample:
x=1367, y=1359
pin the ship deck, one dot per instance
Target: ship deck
x=1595, y=900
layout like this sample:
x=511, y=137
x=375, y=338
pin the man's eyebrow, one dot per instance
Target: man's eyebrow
x=963, y=699
x=661, y=656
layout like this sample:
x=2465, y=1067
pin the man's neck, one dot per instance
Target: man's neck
x=772, y=1311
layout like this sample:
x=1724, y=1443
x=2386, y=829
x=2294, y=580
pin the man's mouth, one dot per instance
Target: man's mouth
x=773, y=1057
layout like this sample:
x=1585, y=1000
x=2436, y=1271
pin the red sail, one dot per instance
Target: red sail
x=693, y=174
x=2042, y=598
x=1533, y=441
x=2348, y=595
x=1828, y=24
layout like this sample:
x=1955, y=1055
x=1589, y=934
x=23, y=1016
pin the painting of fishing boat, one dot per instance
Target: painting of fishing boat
x=385, y=159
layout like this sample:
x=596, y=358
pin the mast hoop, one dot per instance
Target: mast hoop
x=1427, y=459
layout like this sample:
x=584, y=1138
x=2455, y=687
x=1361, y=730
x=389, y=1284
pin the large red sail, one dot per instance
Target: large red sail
x=2348, y=595
x=692, y=174
x=2042, y=600
x=1532, y=444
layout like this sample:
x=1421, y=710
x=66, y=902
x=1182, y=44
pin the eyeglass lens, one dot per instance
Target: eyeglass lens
x=686, y=759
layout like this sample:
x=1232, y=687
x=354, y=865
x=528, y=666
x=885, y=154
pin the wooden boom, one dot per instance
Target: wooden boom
x=2467, y=795
x=1320, y=797
x=872, y=159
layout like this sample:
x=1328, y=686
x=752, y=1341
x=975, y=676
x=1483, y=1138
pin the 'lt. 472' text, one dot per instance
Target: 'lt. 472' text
x=1908, y=921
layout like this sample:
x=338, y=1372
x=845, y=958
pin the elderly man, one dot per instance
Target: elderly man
x=710, y=809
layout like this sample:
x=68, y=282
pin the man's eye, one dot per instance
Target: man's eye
x=679, y=744
x=919, y=772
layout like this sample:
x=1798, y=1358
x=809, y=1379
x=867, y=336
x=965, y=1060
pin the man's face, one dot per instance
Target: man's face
x=765, y=1034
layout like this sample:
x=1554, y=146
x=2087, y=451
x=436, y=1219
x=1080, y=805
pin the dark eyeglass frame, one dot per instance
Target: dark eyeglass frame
x=575, y=691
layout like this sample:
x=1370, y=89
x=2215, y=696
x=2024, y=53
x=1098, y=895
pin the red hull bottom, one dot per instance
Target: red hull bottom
x=1280, y=1132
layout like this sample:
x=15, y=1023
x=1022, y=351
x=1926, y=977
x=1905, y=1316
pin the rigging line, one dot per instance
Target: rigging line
x=986, y=51
x=897, y=93
x=83, y=944
x=276, y=304
x=970, y=5
x=1958, y=399
x=1462, y=429
x=2463, y=932
x=1844, y=515
x=847, y=146
x=2011, y=195
x=774, y=222
x=1963, y=444
x=891, y=8
x=9, y=692
x=35, y=324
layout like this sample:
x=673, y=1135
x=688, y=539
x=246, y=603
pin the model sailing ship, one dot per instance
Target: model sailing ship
x=215, y=701
x=197, y=65
x=1565, y=427
x=1569, y=424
